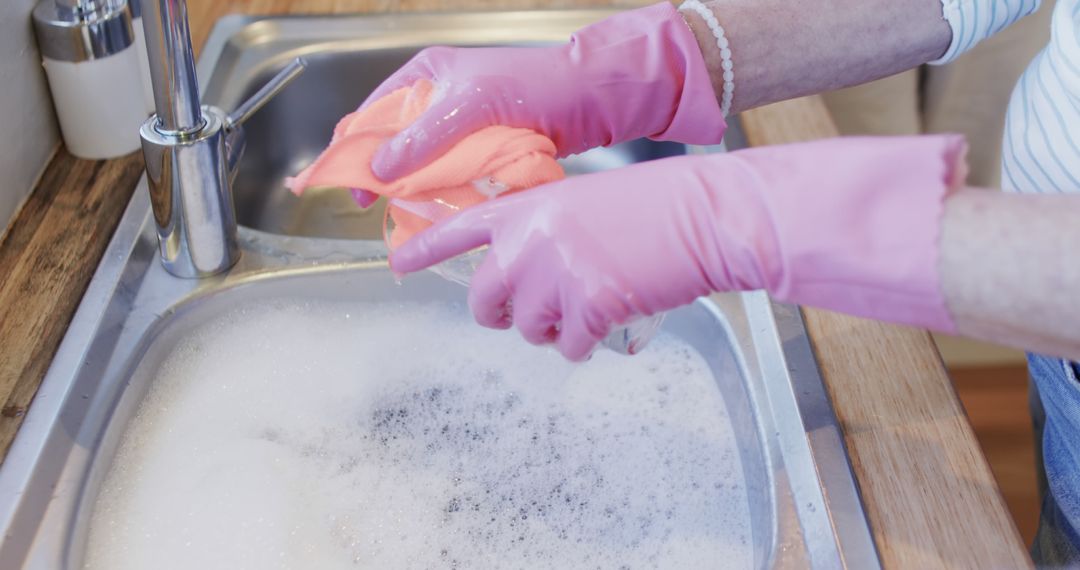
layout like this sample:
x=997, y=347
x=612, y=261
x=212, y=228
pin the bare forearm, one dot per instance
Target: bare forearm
x=1009, y=269
x=788, y=48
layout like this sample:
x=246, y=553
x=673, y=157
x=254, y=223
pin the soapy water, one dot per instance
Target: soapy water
x=390, y=436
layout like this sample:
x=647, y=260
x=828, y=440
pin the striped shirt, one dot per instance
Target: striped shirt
x=1041, y=151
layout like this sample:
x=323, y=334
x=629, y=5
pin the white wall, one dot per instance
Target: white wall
x=28, y=132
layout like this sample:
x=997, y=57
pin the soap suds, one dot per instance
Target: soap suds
x=390, y=436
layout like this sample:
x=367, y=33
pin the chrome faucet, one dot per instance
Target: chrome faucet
x=192, y=150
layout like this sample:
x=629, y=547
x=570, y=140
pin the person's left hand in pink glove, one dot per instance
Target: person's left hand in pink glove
x=848, y=224
x=639, y=73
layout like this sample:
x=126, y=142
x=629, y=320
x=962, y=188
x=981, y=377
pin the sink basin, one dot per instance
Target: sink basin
x=293, y=128
x=803, y=502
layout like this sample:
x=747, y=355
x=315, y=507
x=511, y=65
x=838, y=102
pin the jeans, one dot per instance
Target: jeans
x=1056, y=412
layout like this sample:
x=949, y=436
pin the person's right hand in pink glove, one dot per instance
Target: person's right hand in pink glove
x=847, y=224
x=636, y=74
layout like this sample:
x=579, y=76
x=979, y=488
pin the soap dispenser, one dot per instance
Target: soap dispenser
x=95, y=73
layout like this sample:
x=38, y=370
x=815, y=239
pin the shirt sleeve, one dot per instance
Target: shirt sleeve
x=975, y=20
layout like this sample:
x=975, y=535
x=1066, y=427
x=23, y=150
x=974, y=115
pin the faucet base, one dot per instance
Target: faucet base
x=191, y=195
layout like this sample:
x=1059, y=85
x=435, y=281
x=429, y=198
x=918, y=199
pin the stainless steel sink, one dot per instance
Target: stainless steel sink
x=291, y=130
x=805, y=507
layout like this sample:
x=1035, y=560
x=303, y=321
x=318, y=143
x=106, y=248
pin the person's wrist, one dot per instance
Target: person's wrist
x=709, y=50
x=712, y=42
x=755, y=73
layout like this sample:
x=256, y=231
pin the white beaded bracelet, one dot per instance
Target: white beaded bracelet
x=725, y=51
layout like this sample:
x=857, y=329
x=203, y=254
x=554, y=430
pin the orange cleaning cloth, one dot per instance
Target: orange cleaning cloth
x=512, y=159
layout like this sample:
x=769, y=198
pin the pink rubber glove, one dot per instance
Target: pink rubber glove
x=636, y=74
x=847, y=224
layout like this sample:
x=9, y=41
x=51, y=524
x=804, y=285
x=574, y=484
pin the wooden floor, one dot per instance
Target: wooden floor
x=996, y=401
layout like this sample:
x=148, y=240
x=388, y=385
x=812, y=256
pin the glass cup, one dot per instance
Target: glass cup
x=628, y=338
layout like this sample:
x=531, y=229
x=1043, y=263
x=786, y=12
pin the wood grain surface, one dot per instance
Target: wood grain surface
x=929, y=492
x=46, y=261
x=995, y=398
x=931, y=498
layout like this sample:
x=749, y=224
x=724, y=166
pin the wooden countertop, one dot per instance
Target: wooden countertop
x=931, y=498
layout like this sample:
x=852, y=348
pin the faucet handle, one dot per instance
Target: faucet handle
x=267, y=92
x=232, y=122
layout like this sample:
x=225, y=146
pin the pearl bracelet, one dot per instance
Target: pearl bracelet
x=725, y=51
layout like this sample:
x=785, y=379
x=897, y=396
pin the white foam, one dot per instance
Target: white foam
x=403, y=436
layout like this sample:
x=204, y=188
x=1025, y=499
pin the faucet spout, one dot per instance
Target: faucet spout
x=192, y=150
x=172, y=65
